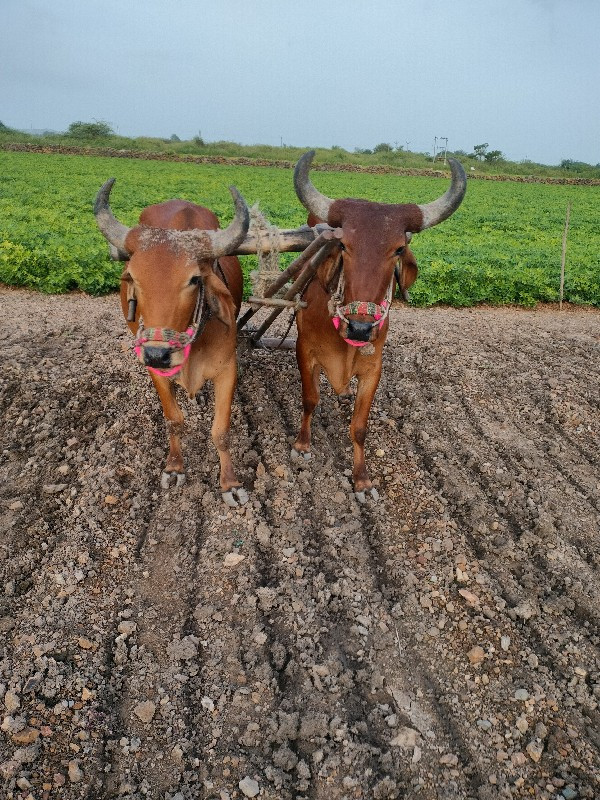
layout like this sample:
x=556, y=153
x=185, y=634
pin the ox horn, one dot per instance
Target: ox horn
x=229, y=239
x=312, y=200
x=446, y=205
x=109, y=225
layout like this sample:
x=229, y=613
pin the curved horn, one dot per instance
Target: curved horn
x=446, y=205
x=315, y=202
x=109, y=225
x=227, y=240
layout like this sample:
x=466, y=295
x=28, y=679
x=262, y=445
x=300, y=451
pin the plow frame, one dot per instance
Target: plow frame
x=314, y=245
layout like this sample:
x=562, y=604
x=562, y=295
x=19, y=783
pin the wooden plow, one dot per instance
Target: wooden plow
x=314, y=245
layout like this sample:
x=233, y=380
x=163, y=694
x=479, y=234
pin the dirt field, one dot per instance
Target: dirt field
x=444, y=643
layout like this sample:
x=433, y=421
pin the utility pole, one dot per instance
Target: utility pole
x=444, y=139
x=434, y=148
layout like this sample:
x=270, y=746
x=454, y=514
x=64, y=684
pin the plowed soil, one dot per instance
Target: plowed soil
x=443, y=643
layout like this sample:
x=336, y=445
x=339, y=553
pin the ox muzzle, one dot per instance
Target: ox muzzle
x=358, y=332
x=163, y=350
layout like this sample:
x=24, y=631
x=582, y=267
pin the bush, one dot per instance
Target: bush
x=90, y=130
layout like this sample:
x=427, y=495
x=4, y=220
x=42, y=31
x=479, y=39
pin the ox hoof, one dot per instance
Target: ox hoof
x=168, y=479
x=236, y=496
x=297, y=455
x=362, y=496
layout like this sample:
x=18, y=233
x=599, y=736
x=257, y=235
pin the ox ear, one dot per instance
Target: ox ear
x=314, y=220
x=328, y=272
x=408, y=271
x=219, y=300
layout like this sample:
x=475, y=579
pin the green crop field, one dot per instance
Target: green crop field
x=503, y=245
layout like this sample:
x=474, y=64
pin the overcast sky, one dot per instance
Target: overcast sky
x=522, y=75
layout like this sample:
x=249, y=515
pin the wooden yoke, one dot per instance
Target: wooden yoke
x=290, y=241
x=306, y=275
x=313, y=255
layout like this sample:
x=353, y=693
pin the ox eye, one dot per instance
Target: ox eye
x=400, y=250
x=194, y=280
x=342, y=247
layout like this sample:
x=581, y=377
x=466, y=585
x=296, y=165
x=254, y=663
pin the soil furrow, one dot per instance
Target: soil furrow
x=357, y=536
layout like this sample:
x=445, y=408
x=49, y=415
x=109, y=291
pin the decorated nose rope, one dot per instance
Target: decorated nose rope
x=175, y=340
x=339, y=314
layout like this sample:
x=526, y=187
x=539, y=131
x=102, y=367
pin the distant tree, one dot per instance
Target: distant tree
x=494, y=155
x=90, y=130
x=479, y=150
x=198, y=140
x=576, y=166
x=4, y=127
x=383, y=148
x=174, y=138
x=363, y=151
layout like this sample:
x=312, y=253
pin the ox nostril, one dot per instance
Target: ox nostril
x=359, y=331
x=159, y=357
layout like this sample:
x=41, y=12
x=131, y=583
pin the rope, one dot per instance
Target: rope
x=337, y=298
x=294, y=313
x=268, y=262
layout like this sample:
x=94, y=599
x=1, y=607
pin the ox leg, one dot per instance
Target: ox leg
x=309, y=375
x=174, y=469
x=232, y=491
x=367, y=386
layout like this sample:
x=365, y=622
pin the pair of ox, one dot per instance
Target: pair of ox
x=181, y=292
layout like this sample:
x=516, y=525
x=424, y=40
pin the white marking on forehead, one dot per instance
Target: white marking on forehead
x=193, y=244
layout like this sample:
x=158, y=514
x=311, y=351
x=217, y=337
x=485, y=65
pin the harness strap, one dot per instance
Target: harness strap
x=217, y=266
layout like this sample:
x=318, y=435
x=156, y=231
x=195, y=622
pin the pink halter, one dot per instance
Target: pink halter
x=176, y=340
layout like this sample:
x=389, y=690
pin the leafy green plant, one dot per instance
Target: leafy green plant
x=503, y=245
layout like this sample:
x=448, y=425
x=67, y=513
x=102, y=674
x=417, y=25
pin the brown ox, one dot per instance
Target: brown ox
x=344, y=327
x=180, y=295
